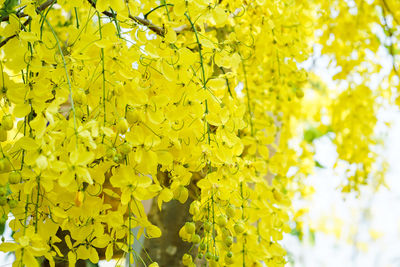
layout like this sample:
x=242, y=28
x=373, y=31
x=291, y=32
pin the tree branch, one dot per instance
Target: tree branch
x=156, y=29
x=21, y=15
x=3, y=43
x=390, y=11
x=141, y=21
x=6, y=40
x=38, y=10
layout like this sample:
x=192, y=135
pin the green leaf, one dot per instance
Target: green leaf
x=312, y=237
x=311, y=134
x=318, y=165
x=8, y=7
x=2, y=227
x=3, y=221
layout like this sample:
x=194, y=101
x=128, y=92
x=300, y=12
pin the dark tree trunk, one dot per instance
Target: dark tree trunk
x=169, y=248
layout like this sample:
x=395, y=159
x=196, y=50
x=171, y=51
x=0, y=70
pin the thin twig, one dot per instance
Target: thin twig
x=390, y=11
x=38, y=10
x=21, y=15
x=145, y=22
x=154, y=9
x=156, y=29
x=12, y=36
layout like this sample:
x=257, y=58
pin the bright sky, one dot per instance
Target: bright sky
x=368, y=226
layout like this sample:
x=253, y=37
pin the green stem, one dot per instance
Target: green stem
x=114, y=18
x=203, y=72
x=166, y=9
x=244, y=238
x=207, y=125
x=103, y=72
x=154, y=9
x=129, y=235
x=76, y=18
x=26, y=212
x=66, y=74
x=246, y=86
x=25, y=219
x=199, y=45
x=37, y=204
x=2, y=75
x=23, y=151
x=227, y=82
x=213, y=217
x=43, y=18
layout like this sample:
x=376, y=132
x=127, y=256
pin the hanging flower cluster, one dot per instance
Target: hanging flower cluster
x=105, y=104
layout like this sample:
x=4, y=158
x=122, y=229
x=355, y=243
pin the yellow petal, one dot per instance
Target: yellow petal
x=27, y=143
x=71, y=259
x=168, y=71
x=153, y=231
x=165, y=196
x=29, y=260
x=28, y=36
x=170, y=36
x=7, y=247
x=94, y=256
x=109, y=252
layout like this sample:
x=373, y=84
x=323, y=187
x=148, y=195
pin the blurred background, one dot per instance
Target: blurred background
x=350, y=230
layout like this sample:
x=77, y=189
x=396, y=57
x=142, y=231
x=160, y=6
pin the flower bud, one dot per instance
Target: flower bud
x=3, y=201
x=238, y=227
x=190, y=227
x=196, y=239
x=228, y=241
x=207, y=226
x=230, y=211
x=122, y=126
x=7, y=122
x=14, y=177
x=186, y=259
x=222, y=221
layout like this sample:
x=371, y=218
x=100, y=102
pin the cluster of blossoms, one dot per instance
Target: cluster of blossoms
x=106, y=104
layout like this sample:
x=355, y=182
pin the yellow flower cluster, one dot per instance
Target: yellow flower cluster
x=109, y=103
